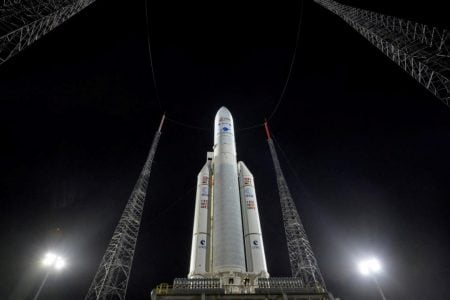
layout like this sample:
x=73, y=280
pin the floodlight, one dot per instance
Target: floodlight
x=363, y=268
x=370, y=267
x=53, y=261
x=49, y=259
x=374, y=265
x=59, y=263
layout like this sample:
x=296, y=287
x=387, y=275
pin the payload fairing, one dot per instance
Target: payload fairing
x=227, y=239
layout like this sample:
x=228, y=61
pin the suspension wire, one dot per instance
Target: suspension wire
x=250, y=127
x=294, y=172
x=208, y=129
x=151, y=57
x=187, y=125
x=152, y=67
x=280, y=99
x=172, y=205
x=291, y=67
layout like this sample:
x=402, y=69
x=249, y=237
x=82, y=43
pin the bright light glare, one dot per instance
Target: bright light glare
x=374, y=265
x=49, y=259
x=369, y=266
x=363, y=268
x=52, y=260
x=59, y=263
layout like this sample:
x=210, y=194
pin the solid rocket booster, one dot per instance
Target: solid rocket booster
x=200, y=235
x=227, y=234
x=254, y=247
x=228, y=245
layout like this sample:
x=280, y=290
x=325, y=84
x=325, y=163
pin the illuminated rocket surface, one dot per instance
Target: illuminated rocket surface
x=227, y=240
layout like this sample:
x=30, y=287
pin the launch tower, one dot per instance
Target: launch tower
x=227, y=255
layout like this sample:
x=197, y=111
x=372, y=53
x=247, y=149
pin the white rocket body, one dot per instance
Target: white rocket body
x=227, y=238
x=254, y=246
x=228, y=252
x=200, y=235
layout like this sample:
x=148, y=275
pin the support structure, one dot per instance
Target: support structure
x=24, y=22
x=111, y=280
x=303, y=262
x=275, y=288
x=419, y=49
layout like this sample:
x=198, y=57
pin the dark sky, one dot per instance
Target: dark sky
x=366, y=147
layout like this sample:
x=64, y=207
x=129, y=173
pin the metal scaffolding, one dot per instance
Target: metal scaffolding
x=303, y=262
x=111, y=280
x=22, y=22
x=421, y=50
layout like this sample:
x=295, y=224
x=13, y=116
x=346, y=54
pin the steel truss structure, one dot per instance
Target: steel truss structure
x=303, y=262
x=421, y=50
x=22, y=22
x=111, y=280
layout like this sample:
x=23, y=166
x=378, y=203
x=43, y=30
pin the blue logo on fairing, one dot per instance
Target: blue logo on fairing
x=255, y=242
x=202, y=242
x=225, y=129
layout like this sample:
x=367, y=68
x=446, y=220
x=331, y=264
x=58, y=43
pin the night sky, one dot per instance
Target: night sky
x=364, y=147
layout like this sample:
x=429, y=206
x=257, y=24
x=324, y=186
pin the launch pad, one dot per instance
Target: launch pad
x=283, y=288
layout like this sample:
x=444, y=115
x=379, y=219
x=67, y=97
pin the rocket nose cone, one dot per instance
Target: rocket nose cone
x=243, y=169
x=223, y=122
x=223, y=111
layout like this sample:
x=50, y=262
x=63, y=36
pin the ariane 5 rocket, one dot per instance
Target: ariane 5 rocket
x=227, y=239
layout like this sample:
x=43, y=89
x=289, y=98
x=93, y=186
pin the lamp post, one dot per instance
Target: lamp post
x=371, y=267
x=51, y=262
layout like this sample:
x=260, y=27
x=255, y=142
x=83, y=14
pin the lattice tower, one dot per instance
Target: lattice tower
x=22, y=22
x=421, y=50
x=111, y=280
x=303, y=262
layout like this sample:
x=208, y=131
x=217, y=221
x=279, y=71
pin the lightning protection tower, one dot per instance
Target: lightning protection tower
x=303, y=262
x=419, y=49
x=111, y=280
x=24, y=22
